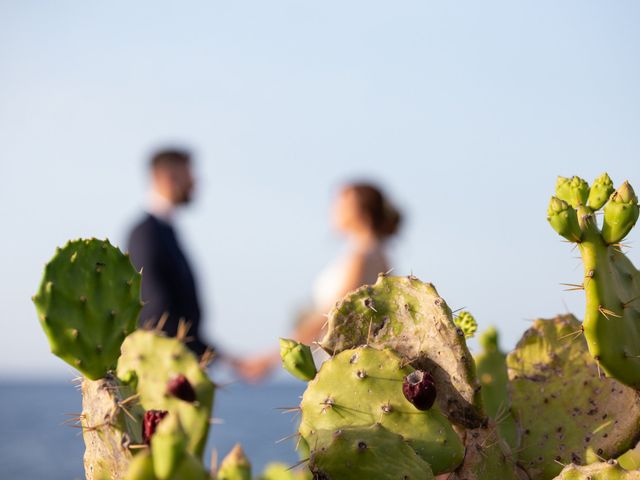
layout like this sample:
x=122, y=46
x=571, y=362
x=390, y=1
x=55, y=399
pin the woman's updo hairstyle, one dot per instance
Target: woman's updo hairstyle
x=382, y=216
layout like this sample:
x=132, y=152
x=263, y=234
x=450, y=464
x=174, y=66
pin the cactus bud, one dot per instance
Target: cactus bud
x=564, y=220
x=489, y=340
x=620, y=214
x=150, y=422
x=466, y=323
x=297, y=359
x=235, y=466
x=180, y=388
x=574, y=190
x=168, y=447
x=420, y=389
x=600, y=190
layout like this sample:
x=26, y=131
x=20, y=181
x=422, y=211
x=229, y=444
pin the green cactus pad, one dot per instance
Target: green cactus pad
x=87, y=303
x=148, y=362
x=491, y=365
x=611, y=282
x=487, y=457
x=410, y=317
x=566, y=411
x=297, y=359
x=235, y=466
x=110, y=424
x=370, y=452
x=141, y=467
x=630, y=459
x=598, y=471
x=189, y=468
x=363, y=387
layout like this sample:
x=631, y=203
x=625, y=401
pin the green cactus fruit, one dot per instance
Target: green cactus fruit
x=297, y=359
x=609, y=470
x=87, y=303
x=235, y=466
x=600, y=190
x=467, y=323
x=574, y=191
x=566, y=411
x=487, y=457
x=409, y=316
x=151, y=363
x=362, y=387
x=110, y=423
x=168, y=447
x=141, y=467
x=370, y=452
x=564, y=219
x=281, y=471
x=620, y=214
x=612, y=287
x=491, y=365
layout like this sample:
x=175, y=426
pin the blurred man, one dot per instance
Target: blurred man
x=168, y=284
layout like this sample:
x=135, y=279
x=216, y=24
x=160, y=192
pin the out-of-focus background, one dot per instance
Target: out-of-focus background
x=464, y=111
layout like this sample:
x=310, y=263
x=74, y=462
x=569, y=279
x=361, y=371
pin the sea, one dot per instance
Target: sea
x=38, y=443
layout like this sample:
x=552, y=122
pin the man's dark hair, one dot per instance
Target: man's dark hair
x=170, y=157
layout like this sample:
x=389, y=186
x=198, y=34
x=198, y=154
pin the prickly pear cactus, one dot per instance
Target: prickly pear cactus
x=630, y=459
x=235, y=466
x=367, y=452
x=609, y=470
x=566, y=410
x=110, y=423
x=408, y=316
x=167, y=376
x=87, y=303
x=491, y=365
x=611, y=282
x=363, y=387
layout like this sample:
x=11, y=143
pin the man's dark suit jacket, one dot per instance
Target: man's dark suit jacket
x=168, y=283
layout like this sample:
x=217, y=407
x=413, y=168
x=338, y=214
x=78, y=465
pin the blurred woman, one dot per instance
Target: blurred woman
x=366, y=218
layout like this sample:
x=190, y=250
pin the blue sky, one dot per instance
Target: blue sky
x=464, y=111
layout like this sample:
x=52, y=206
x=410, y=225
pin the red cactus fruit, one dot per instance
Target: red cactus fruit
x=420, y=389
x=180, y=388
x=150, y=422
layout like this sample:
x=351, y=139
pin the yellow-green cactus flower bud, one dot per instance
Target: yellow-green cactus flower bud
x=620, y=214
x=168, y=447
x=564, y=219
x=235, y=466
x=297, y=359
x=600, y=190
x=466, y=323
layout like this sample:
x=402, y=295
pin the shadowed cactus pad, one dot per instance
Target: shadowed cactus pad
x=566, y=411
x=361, y=388
x=598, y=471
x=487, y=457
x=371, y=452
x=611, y=282
x=151, y=363
x=409, y=316
x=88, y=302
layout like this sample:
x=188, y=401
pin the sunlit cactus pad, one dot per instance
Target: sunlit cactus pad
x=152, y=364
x=361, y=388
x=87, y=303
x=408, y=316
